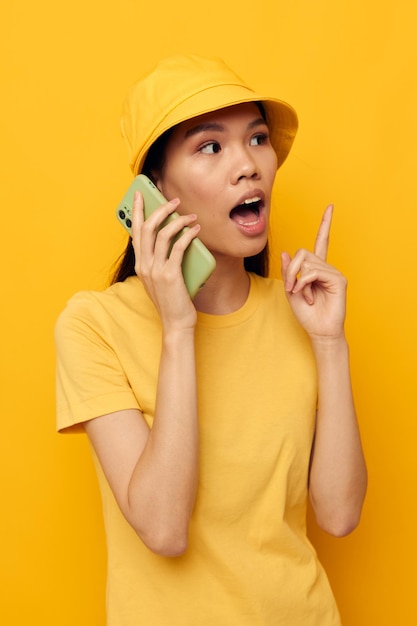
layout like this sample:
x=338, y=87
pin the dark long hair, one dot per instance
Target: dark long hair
x=154, y=162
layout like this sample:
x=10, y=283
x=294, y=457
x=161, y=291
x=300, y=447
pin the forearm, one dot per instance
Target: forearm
x=163, y=485
x=338, y=474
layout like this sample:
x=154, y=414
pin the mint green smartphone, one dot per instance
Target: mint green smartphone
x=198, y=263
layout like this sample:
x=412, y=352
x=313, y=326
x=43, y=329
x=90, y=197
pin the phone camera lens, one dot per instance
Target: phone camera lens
x=129, y=223
x=122, y=215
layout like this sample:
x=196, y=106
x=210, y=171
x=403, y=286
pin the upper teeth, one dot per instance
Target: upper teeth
x=250, y=200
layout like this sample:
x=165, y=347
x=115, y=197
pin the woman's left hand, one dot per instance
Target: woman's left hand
x=316, y=291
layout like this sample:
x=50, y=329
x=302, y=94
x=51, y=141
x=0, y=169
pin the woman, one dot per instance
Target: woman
x=212, y=420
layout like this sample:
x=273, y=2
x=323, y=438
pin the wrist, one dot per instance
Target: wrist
x=177, y=336
x=335, y=344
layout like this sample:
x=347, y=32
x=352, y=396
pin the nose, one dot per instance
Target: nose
x=243, y=165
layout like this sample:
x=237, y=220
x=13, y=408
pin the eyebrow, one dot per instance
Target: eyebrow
x=213, y=126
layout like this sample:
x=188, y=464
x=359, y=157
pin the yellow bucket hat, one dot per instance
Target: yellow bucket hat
x=183, y=87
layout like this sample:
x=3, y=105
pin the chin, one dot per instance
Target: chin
x=253, y=250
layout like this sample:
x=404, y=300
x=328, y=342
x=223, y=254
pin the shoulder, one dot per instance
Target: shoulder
x=116, y=300
x=270, y=290
x=276, y=307
x=114, y=295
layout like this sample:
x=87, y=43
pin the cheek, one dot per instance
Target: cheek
x=271, y=165
x=183, y=179
x=200, y=193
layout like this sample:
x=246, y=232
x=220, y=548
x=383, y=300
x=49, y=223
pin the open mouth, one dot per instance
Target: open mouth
x=247, y=213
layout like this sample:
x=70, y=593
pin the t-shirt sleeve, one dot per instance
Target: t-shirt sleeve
x=90, y=380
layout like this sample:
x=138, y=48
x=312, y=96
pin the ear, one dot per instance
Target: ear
x=156, y=179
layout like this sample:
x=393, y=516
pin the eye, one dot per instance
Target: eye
x=212, y=147
x=259, y=139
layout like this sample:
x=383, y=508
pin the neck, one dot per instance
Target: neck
x=226, y=290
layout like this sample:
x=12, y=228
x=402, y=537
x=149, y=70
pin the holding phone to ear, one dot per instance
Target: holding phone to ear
x=198, y=263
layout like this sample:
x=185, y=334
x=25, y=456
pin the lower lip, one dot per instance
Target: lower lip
x=252, y=227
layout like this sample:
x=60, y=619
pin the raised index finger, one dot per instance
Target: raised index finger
x=321, y=245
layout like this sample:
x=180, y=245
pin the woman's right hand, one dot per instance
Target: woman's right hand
x=161, y=274
x=153, y=472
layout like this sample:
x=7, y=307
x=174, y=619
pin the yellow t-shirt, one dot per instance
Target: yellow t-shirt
x=249, y=562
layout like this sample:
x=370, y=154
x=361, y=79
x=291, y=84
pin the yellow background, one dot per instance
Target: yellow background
x=349, y=68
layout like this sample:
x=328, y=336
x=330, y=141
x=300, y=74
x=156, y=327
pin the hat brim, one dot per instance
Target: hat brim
x=281, y=117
